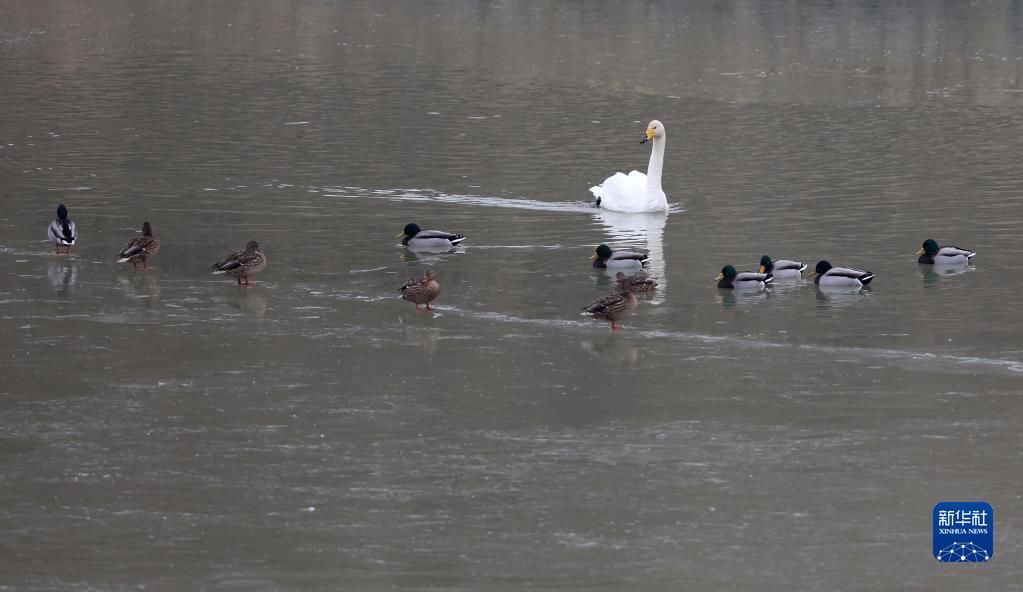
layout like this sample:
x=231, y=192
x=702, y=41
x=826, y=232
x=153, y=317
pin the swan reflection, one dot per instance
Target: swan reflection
x=644, y=231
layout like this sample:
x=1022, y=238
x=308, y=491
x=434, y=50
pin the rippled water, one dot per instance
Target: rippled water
x=171, y=430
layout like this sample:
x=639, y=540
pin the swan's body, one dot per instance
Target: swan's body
x=140, y=248
x=637, y=192
x=826, y=275
x=931, y=254
x=416, y=238
x=782, y=269
x=604, y=258
x=62, y=231
x=730, y=279
x=242, y=264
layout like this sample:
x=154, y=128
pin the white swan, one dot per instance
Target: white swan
x=637, y=192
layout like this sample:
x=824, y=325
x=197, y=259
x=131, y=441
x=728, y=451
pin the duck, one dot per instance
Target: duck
x=931, y=254
x=827, y=275
x=62, y=231
x=616, y=306
x=141, y=248
x=604, y=258
x=421, y=290
x=242, y=264
x=415, y=237
x=637, y=283
x=782, y=269
x=743, y=280
x=637, y=192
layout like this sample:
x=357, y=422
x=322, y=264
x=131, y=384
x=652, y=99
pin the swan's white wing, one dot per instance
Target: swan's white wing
x=623, y=193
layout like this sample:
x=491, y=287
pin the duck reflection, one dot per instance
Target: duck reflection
x=249, y=300
x=612, y=349
x=932, y=274
x=838, y=296
x=141, y=285
x=63, y=276
x=646, y=231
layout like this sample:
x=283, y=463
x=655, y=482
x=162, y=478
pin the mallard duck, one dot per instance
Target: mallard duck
x=782, y=269
x=140, y=248
x=421, y=290
x=931, y=254
x=637, y=283
x=826, y=275
x=614, y=307
x=604, y=258
x=745, y=280
x=637, y=192
x=62, y=231
x=242, y=264
x=415, y=237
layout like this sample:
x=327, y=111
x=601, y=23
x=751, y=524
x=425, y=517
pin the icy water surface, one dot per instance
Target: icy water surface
x=170, y=430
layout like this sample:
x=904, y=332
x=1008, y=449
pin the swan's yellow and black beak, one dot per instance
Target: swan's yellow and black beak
x=593, y=257
x=649, y=136
x=400, y=234
x=762, y=269
x=720, y=277
x=919, y=251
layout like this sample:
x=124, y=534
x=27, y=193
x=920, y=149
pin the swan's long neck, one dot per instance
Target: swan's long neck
x=653, y=171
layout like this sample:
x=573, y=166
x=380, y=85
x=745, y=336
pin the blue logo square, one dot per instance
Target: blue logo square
x=964, y=532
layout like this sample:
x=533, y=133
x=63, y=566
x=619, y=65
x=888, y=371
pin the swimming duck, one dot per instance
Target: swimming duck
x=745, y=280
x=604, y=258
x=242, y=264
x=62, y=231
x=637, y=283
x=140, y=248
x=782, y=269
x=637, y=192
x=614, y=307
x=421, y=290
x=415, y=237
x=826, y=275
x=931, y=254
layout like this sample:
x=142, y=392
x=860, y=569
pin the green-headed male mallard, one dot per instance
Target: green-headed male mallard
x=140, y=248
x=931, y=254
x=416, y=238
x=742, y=280
x=614, y=307
x=604, y=258
x=62, y=231
x=827, y=275
x=421, y=290
x=782, y=269
x=242, y=264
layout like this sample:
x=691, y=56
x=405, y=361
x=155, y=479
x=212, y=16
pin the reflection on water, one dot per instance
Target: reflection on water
x=63, y=276
x=611, y=350
x=640, y=231
x=839, y=296
x=933, y=273
x=140, y=284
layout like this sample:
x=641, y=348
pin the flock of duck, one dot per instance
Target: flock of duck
x=63, y=233
x=639, y=193
x=633, y=193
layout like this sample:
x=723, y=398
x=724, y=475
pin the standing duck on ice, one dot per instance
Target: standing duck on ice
x=637, y=192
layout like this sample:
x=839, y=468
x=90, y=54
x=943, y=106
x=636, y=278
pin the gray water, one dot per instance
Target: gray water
x=170, y=430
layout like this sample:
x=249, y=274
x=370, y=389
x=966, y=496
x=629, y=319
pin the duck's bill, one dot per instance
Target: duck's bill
x=400, y=234
x=813, y=273
x=762, y=269
x=919, y=251
x=720, y=277
x=593, y=257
